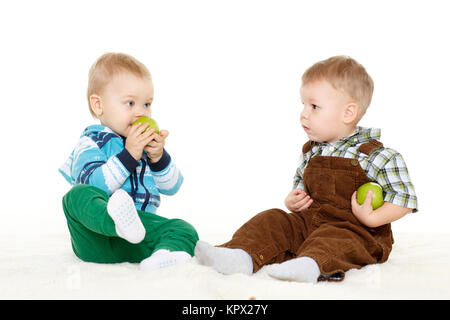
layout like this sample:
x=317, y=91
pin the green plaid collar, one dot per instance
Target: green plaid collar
x=360, y=136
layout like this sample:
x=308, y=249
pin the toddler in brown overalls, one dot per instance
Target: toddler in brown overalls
x=327, y=232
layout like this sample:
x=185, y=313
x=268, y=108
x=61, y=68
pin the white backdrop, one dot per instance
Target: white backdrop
x=227, y=77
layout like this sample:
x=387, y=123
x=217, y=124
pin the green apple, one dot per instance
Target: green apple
x=377, y=194
x=152, y=123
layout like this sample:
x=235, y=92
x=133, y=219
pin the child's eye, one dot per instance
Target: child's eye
x=130, y=103
x=315, y=107
x=147, y=105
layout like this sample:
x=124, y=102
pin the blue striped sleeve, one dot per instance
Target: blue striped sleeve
x=166, y=175
x=91, y=166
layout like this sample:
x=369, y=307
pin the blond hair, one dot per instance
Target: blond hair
x=107, y=66
x=344, y=73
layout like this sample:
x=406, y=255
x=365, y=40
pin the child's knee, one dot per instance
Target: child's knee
x=81, y=190
x=82, y=193
x=186, y=228
x=78, y=188
x=74, y=193
x=270, y=216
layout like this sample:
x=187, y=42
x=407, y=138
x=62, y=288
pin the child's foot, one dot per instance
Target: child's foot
x=164, y=258
x=303, y=269
x=224, y=260
x=121, y=209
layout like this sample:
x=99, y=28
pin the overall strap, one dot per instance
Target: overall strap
x=368, y=147
x=306, y=147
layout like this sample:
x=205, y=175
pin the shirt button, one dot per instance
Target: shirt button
x=354, y=162
x=261, y=256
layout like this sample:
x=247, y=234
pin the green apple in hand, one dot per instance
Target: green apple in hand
x=377, y=194
x=152, y=123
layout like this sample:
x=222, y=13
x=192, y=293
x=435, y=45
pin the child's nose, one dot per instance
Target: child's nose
x=142, y=111
x=303, y=114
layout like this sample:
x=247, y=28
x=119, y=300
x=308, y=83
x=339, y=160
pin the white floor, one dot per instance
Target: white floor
x=44, y=267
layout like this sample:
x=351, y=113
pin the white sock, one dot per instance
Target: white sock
x=164, y=258
x=303, y=269
x=121, y=209
x=224, y=260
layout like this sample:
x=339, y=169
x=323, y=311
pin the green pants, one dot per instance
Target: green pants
x=94, y=237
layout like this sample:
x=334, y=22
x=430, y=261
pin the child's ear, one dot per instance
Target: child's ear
x=351, y=113
x=95, y=103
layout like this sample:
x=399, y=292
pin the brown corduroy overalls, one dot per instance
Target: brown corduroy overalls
x=327, y=231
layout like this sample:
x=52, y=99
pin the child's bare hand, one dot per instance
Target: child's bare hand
x=297, y=200
x=137, y=139
x=364, y=211
x=155, y=148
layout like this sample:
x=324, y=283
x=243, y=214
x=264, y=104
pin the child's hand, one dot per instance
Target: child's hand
x=137, y=139
x=297, y=200
x=155, y=148
x=364, y=211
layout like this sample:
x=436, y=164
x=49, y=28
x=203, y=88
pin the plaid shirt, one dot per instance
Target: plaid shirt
x=384, y=166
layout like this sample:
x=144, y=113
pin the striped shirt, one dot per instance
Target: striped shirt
x=384, y=166
x=101, y=160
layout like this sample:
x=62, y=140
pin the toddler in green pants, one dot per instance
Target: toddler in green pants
x=118, y=171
